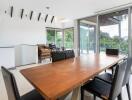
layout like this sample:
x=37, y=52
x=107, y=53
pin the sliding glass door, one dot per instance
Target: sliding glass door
x=114, y=31
x=87, y=38
x=87, y=35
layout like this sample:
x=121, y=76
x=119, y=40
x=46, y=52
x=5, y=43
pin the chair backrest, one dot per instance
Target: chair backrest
x=58, y=55
x=10, y=85
x=128, y=71
x=69, y=54
x=118, y=80
x=52, y=46
x=112, y=51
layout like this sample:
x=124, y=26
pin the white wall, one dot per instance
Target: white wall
x=16, y=31
x=67, y=24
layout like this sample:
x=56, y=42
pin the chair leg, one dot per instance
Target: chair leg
x=112, y=71
x=128, y=90
x=120, y=97
x=94, y=97
x=105, y=71
x=82, y=94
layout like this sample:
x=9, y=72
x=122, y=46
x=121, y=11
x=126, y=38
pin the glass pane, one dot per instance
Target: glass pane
x=109, y=37
x=68, y=38
x=87, y=38
x=114, y=31
x=124, y=34
x=50, y=36
x=58, y=38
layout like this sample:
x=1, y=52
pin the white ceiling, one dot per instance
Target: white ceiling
x=66, y=8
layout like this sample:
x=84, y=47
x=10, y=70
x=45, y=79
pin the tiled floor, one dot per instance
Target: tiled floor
x=24, y=86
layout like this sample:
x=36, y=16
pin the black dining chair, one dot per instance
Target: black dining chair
x=105, y=90
x=112, y=52
x=69, y=54
x=12, y=90
x=58, y=55
x=127, y=77
x=107, y=77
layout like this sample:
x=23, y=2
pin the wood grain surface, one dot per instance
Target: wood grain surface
x=56, y=79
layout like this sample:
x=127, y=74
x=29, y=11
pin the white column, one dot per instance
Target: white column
x=97, y=35
x=119, y=28
x=63, y=38
x=129, y=33
x=76, y=37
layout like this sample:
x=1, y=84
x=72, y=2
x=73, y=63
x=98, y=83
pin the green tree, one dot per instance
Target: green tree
x=113, y=42
x=68, y=38
x=51, y=36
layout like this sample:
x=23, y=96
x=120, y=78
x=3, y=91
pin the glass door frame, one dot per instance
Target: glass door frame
x=56, y=30
x=98, y=28
x=118, y=23
x=60, y=30
x=96, y=34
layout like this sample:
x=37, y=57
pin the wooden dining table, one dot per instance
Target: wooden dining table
x=56, y=79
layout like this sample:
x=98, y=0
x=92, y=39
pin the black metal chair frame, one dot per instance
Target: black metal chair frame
x=113, y=52
x=114, y=88
x=108, y=77
x=12, y=90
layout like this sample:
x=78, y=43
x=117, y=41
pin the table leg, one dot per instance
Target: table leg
x=76, y=94
x=64, y=96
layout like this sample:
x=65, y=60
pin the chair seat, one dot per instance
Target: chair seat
x=107, y=77
x=98, y=87
x=33, y=95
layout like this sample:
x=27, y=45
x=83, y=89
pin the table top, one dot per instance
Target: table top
x=56, y=79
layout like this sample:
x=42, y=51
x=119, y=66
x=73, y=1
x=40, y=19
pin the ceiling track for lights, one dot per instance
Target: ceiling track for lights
x=31, y=14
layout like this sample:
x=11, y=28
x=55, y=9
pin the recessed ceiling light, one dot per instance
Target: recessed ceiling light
x=47, y=7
